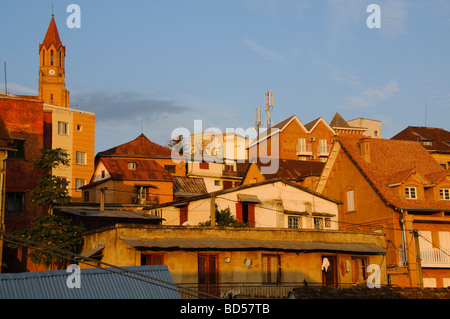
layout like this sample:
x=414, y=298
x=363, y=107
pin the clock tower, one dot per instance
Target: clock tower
x=52, y=87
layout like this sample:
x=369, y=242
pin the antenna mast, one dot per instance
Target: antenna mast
x=257, y=120
x=6, y=82
x=268, y=106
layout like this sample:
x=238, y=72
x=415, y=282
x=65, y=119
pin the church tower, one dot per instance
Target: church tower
x=52, y=87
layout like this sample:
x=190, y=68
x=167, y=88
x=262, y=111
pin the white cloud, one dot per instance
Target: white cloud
x=371, y=97
x=14, y=88
x=393, y=18
x=265, y=52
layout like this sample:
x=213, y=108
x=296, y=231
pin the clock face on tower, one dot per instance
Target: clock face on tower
x=52, y=72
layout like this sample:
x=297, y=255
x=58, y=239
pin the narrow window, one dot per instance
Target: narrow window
x=81, y=158
x=63, y=128
x=318, y=223
x=132, y=166
x=271, y=269
x=86, y=196
x=51, y=57
x=350, y=200
x=79, y=183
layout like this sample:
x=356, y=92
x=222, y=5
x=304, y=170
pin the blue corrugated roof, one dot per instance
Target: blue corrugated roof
x=139, y=282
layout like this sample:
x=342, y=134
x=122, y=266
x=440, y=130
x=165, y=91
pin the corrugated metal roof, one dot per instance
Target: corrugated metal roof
x=139, y=282
x=249, y=244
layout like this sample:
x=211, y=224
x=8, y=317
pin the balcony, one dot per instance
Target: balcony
x=304, y=150
x=324, y=150
x=435, y=257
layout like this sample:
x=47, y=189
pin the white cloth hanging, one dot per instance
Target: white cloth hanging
x=325, y=264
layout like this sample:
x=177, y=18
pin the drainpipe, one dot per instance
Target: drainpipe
x=2, y=205
x=402, y=225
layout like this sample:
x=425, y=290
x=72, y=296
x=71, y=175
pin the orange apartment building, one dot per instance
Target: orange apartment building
x=290, y=139
x=138, y=172
x=397, y=188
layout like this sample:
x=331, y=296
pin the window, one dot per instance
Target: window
x=79, y=128
x=51, y=57
x=152, y=259
x=132, y=166
x=327, y=222
x=301, y=145
x=411, y=192
x=19, y=145
x=294, y=221
x=427, y=143
x=63, y=127
x=245, y=213
x=81, y=158
x=375, y=133
x=86, y=196
x=318, y=223
x=444, y=193
x=322, y=146
x=103, y=174
x=271, y=269
x=229, y=168
x=217, y=182
x=63, y=181
x=15, y=202
x=170, y=168
x=204, y=165
x=350, y=200
x=79, y=183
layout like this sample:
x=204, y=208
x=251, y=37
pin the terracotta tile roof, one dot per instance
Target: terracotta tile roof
x=393, y=161
x=52, y=36
x=294, y=169
x=439, y=137
x=139, y=147
x=146, y=169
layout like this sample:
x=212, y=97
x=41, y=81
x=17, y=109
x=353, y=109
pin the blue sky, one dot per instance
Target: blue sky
x=153, y=66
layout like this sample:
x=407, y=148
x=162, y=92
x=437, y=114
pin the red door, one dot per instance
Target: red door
x=208, y=276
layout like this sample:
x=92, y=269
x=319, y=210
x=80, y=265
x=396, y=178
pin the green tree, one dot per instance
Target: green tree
x=177, y=144
x=225, y=219
x=50, y=189
x=54, y=231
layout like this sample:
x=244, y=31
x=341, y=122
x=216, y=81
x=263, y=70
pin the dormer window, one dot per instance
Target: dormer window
x=411, y=192
x=444, y=193
x=131, y=166
x=427, y=143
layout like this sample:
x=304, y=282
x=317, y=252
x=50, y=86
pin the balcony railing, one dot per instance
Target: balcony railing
x=304, y=149
x=237, y=290
x=435, y=257
x=324, y=150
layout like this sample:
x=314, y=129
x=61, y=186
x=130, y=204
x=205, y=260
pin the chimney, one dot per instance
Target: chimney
x=364, y=146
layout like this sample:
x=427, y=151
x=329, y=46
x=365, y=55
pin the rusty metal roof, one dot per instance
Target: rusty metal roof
x=250, y=244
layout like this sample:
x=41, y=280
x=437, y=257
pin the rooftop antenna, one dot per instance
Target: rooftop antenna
x=257, y=120
x=6, y=82
x=425, y=112
x=268, y=106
